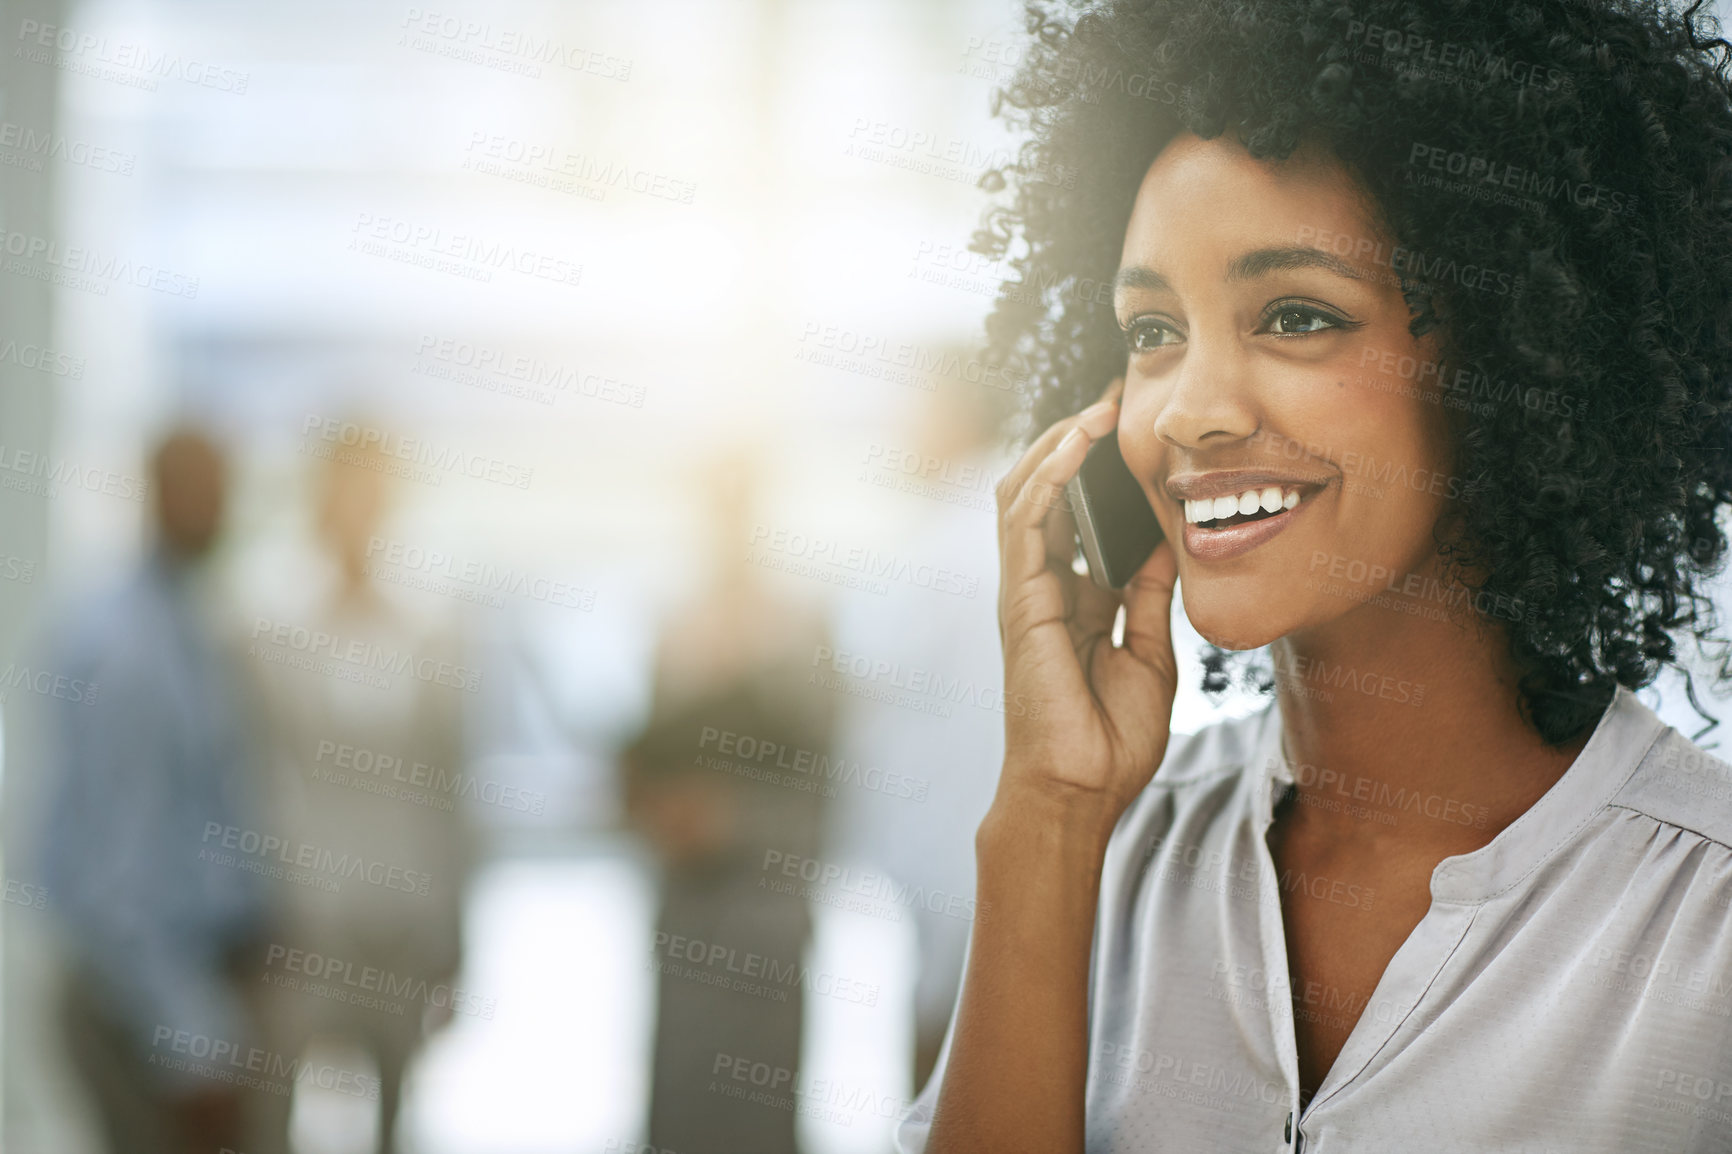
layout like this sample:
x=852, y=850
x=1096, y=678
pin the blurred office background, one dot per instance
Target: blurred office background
x=683, y=289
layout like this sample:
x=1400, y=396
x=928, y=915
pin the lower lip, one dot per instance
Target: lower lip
x=1225, y=544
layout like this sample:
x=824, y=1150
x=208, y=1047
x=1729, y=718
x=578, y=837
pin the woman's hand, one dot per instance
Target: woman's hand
x=1086, y=727
x=1093, y=717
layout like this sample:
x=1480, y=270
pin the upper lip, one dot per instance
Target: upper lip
x=1232, y=482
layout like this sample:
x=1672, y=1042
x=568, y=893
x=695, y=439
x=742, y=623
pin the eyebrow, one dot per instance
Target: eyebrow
x=1247, y=267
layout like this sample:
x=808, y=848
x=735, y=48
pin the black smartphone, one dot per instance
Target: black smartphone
x=1115, y=526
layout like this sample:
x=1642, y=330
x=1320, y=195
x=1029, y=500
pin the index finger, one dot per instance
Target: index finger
x=1096, y=420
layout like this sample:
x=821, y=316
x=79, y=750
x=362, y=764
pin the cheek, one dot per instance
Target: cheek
x=1142, y=450
x=1395, y=421
x=1394, y=471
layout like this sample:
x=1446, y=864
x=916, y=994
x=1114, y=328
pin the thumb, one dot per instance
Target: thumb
x=1148, y=599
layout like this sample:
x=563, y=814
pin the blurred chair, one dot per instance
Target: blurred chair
x=735, y=660
x=147, y=758
x=358, y=768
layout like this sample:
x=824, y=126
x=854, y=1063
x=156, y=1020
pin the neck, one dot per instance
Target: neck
x=174, y=559
x=1391, y=715
x=354, y=587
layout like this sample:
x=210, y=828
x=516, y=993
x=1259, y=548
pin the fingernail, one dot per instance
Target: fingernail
x=1098, y=409
x=1071, y=437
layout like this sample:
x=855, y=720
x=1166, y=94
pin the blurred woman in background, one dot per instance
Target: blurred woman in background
x=367, y=770
x=731, y=672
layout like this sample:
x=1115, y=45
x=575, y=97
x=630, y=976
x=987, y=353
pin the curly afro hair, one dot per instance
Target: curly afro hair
x=1559, y=176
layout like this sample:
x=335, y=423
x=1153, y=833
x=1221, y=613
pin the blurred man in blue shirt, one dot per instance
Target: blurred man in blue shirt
x=140, y=775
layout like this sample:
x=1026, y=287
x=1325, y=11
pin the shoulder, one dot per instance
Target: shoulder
x=1199, y=773
x=113, y=624
x=1213, y=752
x=1679, y=784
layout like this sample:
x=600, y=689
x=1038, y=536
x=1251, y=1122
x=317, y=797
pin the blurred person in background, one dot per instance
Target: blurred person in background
x=732, y=664
x=942, y=467
x=373, y=767
x=147, y=759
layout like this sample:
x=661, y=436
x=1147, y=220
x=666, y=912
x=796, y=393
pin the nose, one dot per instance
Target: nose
x=1209, y=401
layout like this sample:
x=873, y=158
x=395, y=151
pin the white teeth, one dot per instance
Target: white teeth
x=1271, y=499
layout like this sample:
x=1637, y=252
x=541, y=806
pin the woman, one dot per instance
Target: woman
x=1421, y=315
x=375, y=771
x=730, y=664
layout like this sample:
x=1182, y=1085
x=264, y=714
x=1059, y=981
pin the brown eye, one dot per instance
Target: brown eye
x=1291, y=321
x=1146, y=334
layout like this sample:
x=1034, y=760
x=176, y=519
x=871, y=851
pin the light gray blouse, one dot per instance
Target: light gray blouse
x=1570, y=988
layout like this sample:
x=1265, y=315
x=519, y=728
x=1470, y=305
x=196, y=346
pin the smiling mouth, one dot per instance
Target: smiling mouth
x=1255, y=504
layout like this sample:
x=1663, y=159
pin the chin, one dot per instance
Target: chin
x=1236, y=626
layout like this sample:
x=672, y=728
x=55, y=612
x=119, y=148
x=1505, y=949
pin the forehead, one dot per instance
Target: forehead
x=1212, y=197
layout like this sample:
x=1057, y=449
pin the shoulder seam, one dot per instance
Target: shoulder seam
x=1657, y=820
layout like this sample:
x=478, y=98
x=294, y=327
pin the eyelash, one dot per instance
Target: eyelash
x=1138, y=326
x=1282, y=308
x=1274, y=312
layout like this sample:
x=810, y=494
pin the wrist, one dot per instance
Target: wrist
x=1048, y=822
x=1054, y=810
x=1038, y=865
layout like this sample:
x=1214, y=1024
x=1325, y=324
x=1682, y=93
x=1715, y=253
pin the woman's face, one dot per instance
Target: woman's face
x=1271, y=370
